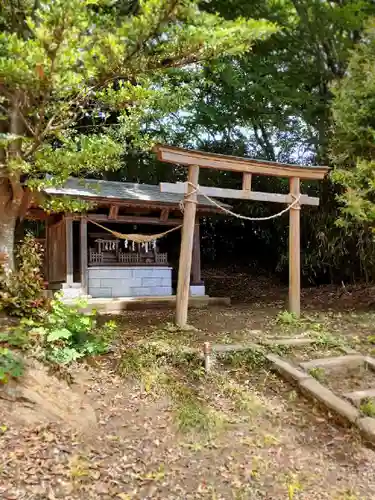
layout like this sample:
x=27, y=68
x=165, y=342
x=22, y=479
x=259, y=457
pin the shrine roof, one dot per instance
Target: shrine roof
x=122, y=191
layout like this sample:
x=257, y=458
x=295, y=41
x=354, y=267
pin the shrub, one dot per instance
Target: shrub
x=22, y=290
x=65, y=334
x=10, y=365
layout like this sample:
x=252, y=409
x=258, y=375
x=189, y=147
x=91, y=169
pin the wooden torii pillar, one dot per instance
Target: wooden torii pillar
x=247, y=167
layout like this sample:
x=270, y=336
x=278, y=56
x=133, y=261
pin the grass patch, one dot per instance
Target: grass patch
x=249, y=358
x=243, y=400
x=190, y=415
x=367, y=407
x=163, y=367
x=326, y=339
x=318, y=373
x=287, y=318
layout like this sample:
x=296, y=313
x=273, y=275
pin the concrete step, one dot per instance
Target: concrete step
x=352, y=360
x=121, y=304
x=358, y=396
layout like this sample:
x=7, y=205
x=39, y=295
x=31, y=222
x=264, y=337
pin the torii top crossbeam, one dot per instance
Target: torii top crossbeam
x=181, y=156
x=196, y=159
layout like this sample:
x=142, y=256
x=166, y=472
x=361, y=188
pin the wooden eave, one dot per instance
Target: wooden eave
x=152, y=205
x=107, y=202
x=181, y=156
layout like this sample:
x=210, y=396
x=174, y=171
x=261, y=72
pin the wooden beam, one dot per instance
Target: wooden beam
x=246, y=182
x=131, y=206
x=196, y=278
x=83, y=238
x=180, y=156
x=295, y=252
x=184, y=268
x=133, y=219
x=181, y=187
x=113, y=211
x=36, y=214
x=164, y=214
x=69, y=250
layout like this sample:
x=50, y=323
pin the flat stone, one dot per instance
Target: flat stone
x=286, y=369
x=367, y=427
x=329, y=399
x=218, y=348
x=352, y=360
x=289, y=341
x=357, y=396
x=188, y=328
x=348, y=350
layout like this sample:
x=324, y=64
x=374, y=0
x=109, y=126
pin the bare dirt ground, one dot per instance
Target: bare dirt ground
x=246, y=434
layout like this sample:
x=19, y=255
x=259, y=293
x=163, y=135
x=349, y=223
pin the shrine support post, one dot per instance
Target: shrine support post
x=83, y=238
x=69, y=250
x=184, y=268
x=196, y=278
x=295, y=250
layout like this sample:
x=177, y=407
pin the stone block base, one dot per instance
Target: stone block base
x=71, y=292
x=197, y=290
x=114, y=282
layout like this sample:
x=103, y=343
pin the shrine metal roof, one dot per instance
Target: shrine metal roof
x=126, y=191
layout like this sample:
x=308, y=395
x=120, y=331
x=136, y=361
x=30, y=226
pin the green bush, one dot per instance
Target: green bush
x=22, y=290
x=65, y=334
x=10, y=365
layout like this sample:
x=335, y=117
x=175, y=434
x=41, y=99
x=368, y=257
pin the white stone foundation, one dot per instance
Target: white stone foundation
x=110, y=282
x=197, y=290
x=73, y=291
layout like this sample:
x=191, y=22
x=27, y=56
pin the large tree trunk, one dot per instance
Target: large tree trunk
x=9, y=211
x=7, y=228
x=11, y=190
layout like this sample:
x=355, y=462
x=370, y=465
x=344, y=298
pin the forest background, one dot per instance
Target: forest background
x=304, y=93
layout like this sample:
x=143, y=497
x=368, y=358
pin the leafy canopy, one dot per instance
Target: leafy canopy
x=353, y=146
x=66, y=60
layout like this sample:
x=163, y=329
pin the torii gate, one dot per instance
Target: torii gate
x=196, y=159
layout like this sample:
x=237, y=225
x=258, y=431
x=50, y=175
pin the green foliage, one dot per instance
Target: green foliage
x=80, y=77
x=22, y=290
x=65, y=334
x=163, y=366
x=145, y=357
x=318, y=373
x=367, y=407
x=273, y=103
x=245, y=359
x=287, y=318
x=191, y=412
x=354, y=126
x=10, y=365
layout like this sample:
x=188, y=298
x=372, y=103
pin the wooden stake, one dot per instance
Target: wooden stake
x=207, y=356
x=295, y=251
x=184, y=269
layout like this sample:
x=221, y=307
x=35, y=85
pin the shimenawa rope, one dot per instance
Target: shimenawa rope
x=197, y=191
x=137, y=238
x=146, y=238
